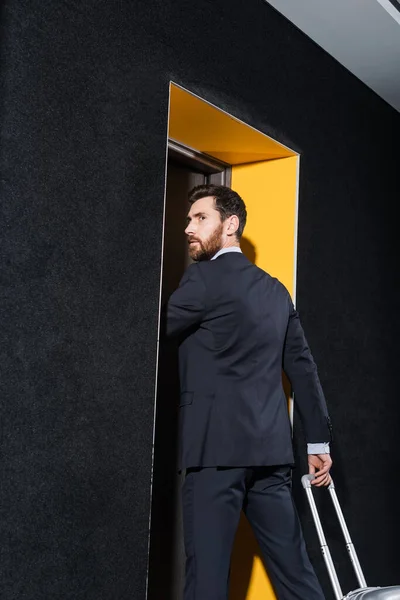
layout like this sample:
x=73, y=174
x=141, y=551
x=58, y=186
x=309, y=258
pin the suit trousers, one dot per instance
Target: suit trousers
x=212, y=500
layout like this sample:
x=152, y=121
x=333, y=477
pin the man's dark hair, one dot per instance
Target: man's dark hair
x=227, y=202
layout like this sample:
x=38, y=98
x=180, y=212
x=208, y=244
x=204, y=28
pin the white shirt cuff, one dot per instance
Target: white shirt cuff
x=322, y=448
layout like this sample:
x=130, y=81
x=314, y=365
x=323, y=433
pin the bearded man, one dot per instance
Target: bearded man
x=238, y=329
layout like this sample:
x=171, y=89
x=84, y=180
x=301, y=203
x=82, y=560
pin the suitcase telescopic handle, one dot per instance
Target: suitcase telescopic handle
x=306, y=482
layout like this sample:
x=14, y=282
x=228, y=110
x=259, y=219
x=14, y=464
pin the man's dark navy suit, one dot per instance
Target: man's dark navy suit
x=238, y=329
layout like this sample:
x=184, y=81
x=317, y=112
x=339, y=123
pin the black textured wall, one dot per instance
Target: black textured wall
x=83, y=124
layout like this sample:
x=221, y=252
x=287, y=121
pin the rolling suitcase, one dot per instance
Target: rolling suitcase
x=363, y=592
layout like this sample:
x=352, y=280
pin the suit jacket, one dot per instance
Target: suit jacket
x=237, y=330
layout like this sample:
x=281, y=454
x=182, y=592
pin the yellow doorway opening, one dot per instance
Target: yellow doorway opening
x=265, y=173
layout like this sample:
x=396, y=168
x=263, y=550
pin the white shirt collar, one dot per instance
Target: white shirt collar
x=225, y=250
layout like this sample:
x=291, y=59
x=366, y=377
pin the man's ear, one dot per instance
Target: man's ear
x=233, y=225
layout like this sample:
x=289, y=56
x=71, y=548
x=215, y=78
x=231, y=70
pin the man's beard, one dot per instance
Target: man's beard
x=207, y=249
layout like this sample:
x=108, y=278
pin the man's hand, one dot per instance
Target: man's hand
x=319, y=465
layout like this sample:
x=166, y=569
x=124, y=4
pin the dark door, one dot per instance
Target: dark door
x=166, y=558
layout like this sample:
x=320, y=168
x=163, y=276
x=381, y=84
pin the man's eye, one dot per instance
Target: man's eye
x=202, y=218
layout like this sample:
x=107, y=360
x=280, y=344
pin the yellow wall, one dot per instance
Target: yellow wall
x=269, y=190
x=268, y=185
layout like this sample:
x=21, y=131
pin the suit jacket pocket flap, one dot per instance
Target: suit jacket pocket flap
x=186, y=398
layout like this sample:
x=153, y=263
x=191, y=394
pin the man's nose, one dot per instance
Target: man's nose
x=189, y=229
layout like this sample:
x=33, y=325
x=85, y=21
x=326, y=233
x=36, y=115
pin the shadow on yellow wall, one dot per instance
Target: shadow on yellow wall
x=248, y=577
x=249, y=249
